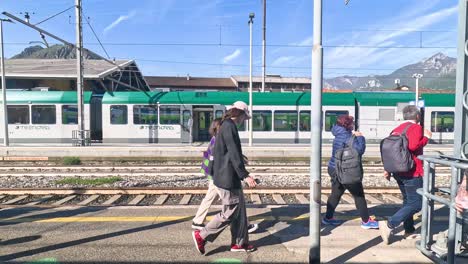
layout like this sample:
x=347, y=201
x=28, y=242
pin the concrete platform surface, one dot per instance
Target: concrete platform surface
x=181, y=150
x=163, y=235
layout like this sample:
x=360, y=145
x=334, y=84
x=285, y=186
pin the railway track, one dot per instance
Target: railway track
x=57, y=197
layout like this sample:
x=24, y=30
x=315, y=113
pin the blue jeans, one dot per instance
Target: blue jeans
x=412, y=203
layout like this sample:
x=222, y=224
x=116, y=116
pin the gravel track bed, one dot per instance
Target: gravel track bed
x=173, y=199
x=271, y=180
x=149, y=200
x=196, y=199
x=101, y=199
x=124, y=200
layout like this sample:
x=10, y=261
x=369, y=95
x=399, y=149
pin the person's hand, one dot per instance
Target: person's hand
x=387, y=175
x=459, y=207
x=251, y=182
x=427, y=133
x=357, y=133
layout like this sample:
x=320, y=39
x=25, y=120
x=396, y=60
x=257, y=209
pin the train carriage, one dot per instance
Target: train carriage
x=178, y=117
x=43, y=116
x=439, y=116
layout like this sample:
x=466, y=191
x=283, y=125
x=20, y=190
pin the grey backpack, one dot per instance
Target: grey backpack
x=348, y=164
x=396, y=157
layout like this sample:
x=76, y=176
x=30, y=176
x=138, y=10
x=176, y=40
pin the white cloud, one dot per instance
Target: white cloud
x=282, y=60
x=119, y=20
x=388, y=57
x=232, y=56
x=306, y=42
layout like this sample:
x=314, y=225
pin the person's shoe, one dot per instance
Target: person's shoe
x=385, y=232
x=331, y=221
x=243, y=248
x=199, y=242
x=370, y=224
x=411, y=235
x=252, y=228
x=197, y=226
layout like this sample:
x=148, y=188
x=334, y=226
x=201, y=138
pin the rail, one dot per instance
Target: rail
x=441, y=251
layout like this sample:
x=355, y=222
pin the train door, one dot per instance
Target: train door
x=96, y=117
x=202, y=117
x=187, y=124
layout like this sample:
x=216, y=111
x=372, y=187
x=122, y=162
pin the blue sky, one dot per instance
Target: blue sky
x=211, y=37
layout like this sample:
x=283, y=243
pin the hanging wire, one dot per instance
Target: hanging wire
x=54, y=15
x=97, y=38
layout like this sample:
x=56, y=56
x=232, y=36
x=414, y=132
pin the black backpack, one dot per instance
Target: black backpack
x=396, y=157
x=348, y=164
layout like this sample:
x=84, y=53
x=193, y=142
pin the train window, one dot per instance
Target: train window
x=69, y=114
x=43, y=114
x=186, y=115
x=285, y=121
x=261, y=120
x=18, y=114
x=304, y=121
x=387, y=114
x=331, y=117
x=145, y=114
x=169, y=115
x=442, y=121
x=118, y=114
x=219, y=114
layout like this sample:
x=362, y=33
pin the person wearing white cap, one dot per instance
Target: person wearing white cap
x=229, y=170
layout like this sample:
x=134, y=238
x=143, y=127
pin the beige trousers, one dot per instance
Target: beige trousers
x=205, y=205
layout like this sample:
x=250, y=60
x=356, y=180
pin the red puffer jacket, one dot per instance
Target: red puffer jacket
x=416, y=143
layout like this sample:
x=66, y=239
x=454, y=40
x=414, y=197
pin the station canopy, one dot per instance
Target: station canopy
x=124, y=72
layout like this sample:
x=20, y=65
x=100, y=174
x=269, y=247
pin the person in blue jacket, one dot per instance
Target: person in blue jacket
x=343, y=130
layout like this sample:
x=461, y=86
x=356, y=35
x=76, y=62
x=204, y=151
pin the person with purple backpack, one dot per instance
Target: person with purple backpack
x=212, y=193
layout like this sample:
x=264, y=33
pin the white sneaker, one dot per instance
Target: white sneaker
x=252, y=228
x=385, y=232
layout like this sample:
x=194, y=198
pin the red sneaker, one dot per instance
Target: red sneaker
x=199, y=242
x=243, y=248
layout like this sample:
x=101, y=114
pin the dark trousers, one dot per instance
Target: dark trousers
x=412, y=203
x=337, y=191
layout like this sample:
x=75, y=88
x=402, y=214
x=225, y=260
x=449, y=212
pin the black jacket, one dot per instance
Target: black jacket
x=228, y=166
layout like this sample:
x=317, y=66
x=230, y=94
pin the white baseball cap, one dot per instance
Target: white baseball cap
x=241, y=106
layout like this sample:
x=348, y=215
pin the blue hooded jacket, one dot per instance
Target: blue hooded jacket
x=342, y=136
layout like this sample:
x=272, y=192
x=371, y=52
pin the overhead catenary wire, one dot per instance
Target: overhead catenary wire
x=59, y=13
x=96, y=36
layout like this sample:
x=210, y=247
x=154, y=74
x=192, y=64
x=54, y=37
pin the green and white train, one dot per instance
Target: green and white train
x=183, y=117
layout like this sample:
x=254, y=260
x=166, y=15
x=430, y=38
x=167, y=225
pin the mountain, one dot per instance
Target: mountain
x=52, y=52
x=439, y=73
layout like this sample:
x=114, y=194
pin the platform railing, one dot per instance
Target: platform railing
x=81, y=138
x=426, y=245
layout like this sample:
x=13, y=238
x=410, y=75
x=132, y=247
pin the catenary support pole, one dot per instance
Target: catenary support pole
x=264, y=47
x=316, y=135
x=251, y=17
x=79, y=71
x=4, y=98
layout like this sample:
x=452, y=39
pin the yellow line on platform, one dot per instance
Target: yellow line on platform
x=163, y=219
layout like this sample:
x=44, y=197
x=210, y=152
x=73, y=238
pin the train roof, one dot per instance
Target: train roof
x=223, y=98
x=441, y=99
x=383, y=98
x=44, y=97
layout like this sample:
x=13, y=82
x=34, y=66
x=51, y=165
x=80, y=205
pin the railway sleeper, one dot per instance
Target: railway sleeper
x=177, y=199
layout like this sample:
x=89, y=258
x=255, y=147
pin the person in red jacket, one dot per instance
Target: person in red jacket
x=410, y=181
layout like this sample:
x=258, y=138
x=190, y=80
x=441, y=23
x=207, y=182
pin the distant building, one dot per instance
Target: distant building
x=189, y=83
x=273, y=83
x=60, y=75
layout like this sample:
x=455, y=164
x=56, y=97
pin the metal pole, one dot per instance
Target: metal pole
x=251, y=17
x=79, y=71
x=461, y=113
x=417, y=92
x=316, y=135
x=4, y=98
x=264, y=47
